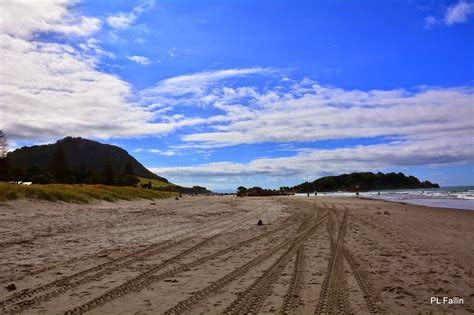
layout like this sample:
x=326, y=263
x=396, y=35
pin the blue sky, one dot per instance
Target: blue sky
x=229, y=93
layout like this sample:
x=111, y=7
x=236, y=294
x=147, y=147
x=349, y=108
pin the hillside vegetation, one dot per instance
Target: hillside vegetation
x=78, y=193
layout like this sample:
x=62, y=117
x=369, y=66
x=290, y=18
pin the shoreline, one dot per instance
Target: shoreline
x=443, y=203
x=411, y=204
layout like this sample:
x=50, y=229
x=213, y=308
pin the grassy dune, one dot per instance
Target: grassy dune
x=77, y=193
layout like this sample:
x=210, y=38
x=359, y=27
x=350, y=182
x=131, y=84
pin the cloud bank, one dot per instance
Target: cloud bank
x=50, y=88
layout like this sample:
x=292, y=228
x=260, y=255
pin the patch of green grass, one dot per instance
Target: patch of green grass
x=78, y=193
x=154, y=182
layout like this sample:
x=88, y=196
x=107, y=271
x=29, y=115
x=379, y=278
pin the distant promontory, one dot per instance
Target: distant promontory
x=366, y=181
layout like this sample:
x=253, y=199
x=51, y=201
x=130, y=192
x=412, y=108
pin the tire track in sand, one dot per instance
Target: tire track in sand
x=373, y=301
x=333, y=297
x=292, y=297
x=148, y=277
x=251, y=300
x=213, y=288
x=29, y=297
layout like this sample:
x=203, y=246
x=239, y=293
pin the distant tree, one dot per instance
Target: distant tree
x=241, y=191
x=59, y=166
x=108, y=172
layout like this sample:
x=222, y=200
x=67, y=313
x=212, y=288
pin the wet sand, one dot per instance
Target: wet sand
x=207, y=255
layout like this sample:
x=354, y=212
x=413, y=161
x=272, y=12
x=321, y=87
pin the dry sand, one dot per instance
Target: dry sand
x=207, y=255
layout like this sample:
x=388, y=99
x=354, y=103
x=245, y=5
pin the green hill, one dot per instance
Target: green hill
x=80, y=154
x=362, y=182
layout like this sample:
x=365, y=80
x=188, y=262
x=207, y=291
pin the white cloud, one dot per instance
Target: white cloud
x=458, y=13
x=455, y=14
x=24, y=18
x=157, y=151
x=161, y=152
x=193, y=89
x=141, y=60
x=123, y=20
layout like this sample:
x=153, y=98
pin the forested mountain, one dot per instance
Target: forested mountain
x=362, y=182
x=80, y=157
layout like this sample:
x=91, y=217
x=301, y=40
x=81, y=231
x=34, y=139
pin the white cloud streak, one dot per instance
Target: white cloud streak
x=122, y=21
x=141, y=60
x=455, y=14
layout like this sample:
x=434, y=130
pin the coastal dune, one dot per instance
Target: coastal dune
x=208, y=255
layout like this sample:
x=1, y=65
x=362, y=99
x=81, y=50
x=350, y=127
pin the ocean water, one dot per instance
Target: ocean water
x=457, y=197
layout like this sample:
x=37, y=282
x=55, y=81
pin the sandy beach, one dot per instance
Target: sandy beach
x=208, y=255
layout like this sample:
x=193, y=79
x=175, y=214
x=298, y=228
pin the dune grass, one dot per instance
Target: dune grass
x=77, y=193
